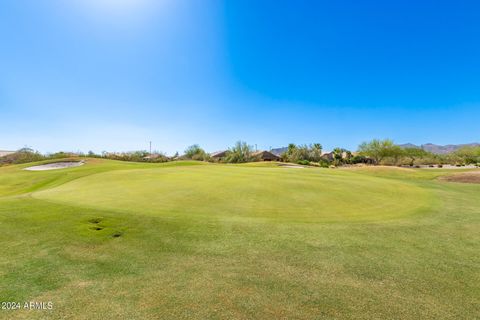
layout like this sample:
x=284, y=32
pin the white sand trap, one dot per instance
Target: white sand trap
x=291, y=166
x=56, y=166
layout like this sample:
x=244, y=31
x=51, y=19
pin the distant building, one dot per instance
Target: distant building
x=4, y=153
x=219, y=155
x=328, y=155
x=266, y=156
x=152, y=156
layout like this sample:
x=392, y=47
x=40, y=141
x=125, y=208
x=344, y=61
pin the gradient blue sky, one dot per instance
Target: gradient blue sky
x=115, y=74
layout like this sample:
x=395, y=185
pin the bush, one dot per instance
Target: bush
x=303, y=162
x=239, y=153
x=310, y=153
x=324, y=164
x=194, y=152
x=137, y=156
x=24, y=155
x=358, y=159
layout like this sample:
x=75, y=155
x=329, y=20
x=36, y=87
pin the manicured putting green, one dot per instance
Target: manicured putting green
x=244, y=192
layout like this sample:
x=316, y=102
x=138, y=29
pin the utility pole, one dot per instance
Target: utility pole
x=150, y=148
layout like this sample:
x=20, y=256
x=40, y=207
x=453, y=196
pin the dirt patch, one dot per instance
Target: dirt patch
x=466, y=177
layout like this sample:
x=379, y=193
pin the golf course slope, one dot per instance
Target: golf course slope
x=190, y=240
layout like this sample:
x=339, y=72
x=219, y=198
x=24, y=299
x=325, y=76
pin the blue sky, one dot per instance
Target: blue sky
x=115, y=74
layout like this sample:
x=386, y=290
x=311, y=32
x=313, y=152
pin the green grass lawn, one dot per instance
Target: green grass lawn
x=187, y=240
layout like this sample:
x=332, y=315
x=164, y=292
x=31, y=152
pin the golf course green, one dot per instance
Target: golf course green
x=192, y=240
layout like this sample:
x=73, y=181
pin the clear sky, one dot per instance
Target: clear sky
x=115, y=74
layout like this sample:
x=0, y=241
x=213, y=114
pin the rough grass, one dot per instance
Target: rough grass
x=465, y=177
x=238, y=242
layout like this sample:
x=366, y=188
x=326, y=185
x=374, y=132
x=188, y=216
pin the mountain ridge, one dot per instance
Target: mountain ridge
x=440, y=149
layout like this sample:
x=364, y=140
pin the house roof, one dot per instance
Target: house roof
x=4, y=153
x=265, y=153
x=218, y=154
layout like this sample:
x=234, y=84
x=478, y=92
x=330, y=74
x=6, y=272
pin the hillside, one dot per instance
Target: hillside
x=279, y=151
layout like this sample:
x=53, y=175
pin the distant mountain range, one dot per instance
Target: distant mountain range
x=429, y=147
x=439, y=149
x=279, y=151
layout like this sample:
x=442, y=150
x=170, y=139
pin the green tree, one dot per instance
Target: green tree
x=194, y=152
x=289, y=154
x=396, y=153
x=337, y=156
x=316, y=152
x=377, y=149
x=303, y=153
x=23, y=155
x=414, y=154
x=468, y=155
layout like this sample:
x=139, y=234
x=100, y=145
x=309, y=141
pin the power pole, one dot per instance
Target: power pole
x=150, y=148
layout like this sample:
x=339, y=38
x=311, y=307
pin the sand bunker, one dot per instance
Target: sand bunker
x=56, y=166
x=291, y=166
x=467, y=177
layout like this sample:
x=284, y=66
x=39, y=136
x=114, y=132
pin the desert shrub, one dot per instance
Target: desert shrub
x=358, y=159
x=194, y=152
x=137, y=156
x=241, y=152
x=303, y=162
x=62, y=155
x=468, y=155
x=324, y=164
x=310, y=153
x=24, y=155
x=92, y=154
x=158, y=157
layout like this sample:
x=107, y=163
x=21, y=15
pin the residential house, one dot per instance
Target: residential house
x=266, y=156
x=219, y=155
x=4, y=153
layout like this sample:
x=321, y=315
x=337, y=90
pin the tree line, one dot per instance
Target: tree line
x=388, y=153
x=375, y=152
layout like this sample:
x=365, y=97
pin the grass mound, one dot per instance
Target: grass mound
x=243, y=192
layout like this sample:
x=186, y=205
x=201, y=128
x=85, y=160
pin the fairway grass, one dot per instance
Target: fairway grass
x=188, y=240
